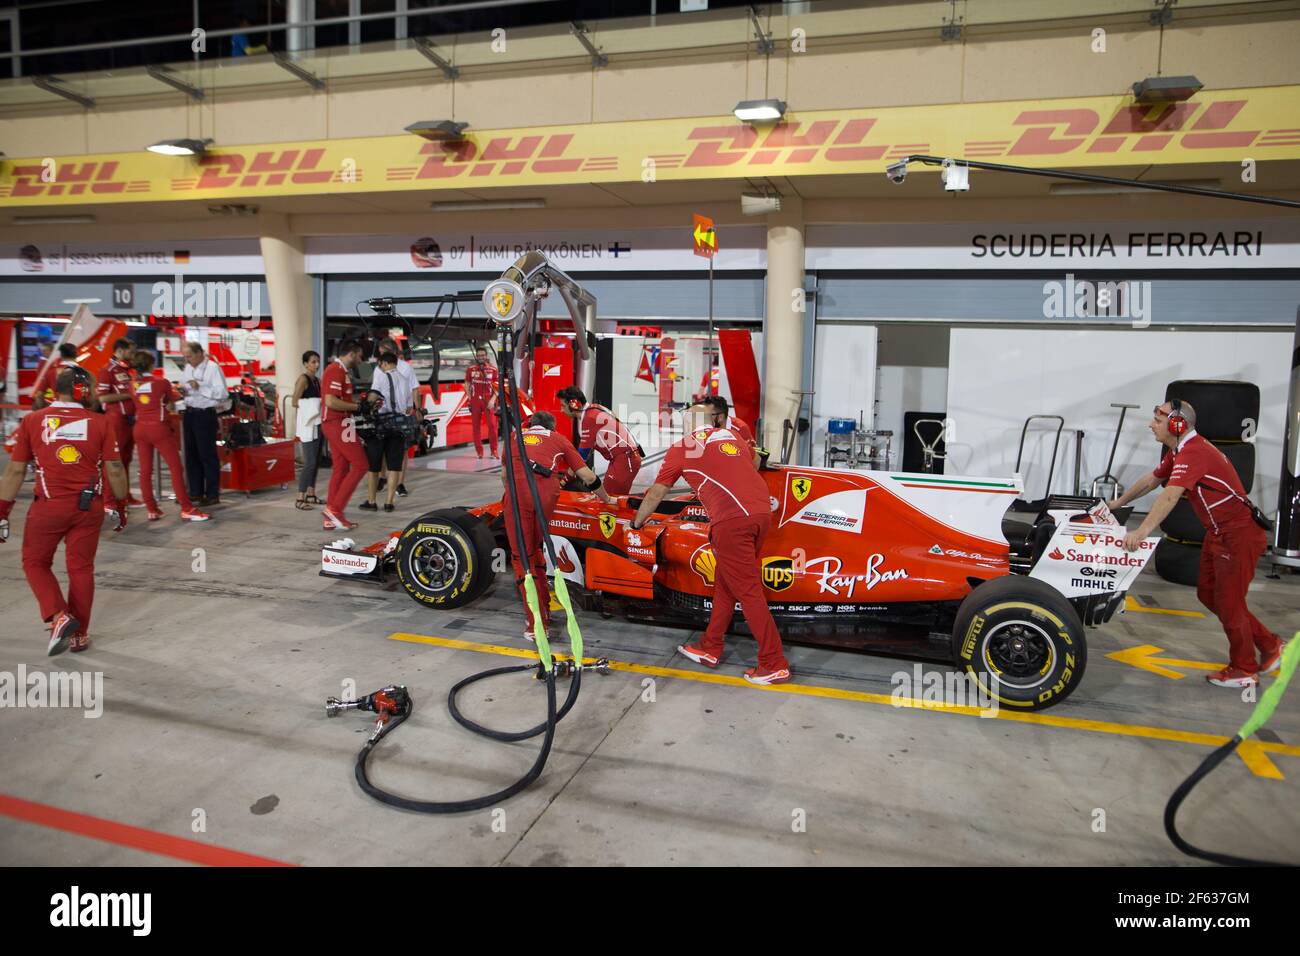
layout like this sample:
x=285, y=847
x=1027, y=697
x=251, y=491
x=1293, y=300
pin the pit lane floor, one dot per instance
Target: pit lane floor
x=213, y=733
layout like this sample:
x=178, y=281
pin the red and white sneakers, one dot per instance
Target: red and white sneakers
x=193, y=515
x=80, y=642
x=155, y=514
x=698, y=654
x=62, y=628
x=1270, y=664
x=1232, y=677
x=756, y=676
x=332, y=522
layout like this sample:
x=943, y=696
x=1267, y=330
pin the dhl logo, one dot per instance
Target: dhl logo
x=269, y=167
x=500, y=156
x=90, y=178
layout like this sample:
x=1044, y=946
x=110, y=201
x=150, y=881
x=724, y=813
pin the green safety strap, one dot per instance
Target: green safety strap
x=1269, y=700
x=575, y=632
x=539, y=631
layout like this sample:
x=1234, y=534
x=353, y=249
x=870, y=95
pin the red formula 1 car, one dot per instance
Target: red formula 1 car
x=865, y=559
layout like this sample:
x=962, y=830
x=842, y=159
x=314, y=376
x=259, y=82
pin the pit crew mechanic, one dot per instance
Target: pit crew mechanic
x=1234, y=541
x=340, y=431
x=550, y=454
x=716, y=464
x=116, y=391
x=481, y=387
x=73, y=448
x=600, y=430
x=721, y=417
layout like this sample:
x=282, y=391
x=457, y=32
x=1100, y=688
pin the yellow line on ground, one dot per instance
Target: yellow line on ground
x=1254, y=753
x=1132, y=605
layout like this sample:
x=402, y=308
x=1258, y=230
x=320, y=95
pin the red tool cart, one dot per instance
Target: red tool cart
x=253, y=467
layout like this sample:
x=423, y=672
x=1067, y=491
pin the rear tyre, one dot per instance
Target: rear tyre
x=1179, y=562
x=1224, y=409
x=444, y=558
x=1021, y=642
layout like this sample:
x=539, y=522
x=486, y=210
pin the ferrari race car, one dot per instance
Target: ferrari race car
x=876, y=560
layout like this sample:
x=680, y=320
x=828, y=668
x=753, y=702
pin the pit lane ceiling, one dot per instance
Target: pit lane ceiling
x=1215, y=126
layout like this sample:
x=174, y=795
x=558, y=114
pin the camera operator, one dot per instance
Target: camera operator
x=387, y=431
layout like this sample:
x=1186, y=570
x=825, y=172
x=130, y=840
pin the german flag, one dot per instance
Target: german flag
x=181, y=257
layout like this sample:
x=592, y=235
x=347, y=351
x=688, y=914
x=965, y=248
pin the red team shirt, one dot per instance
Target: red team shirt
x=337, y=382
x=115, y=379
x=1215, y=491
x=599, y=429
x=69, y=444
x=719, y=467
x=741, y=429
x=152, y=396
x=481, y=382
x=551, y=450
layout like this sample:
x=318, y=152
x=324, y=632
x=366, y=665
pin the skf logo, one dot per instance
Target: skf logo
x=778, y=573
x=800, y=488
x=727, y=448
x=532, y=440
x=68, y=454
x=607, y=524
x=704, y=563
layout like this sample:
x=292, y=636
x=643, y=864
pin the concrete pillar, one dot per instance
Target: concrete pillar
x=783, y=332
x=289, y=288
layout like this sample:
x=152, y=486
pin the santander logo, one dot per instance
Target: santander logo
x=1055, y=554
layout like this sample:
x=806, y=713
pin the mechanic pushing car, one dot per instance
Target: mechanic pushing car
x=350, y=463
x=74, y=448
x=716, y=463
x=1234, y=537
x=481, y=387
x=116, y=395
x=600, y=430
x=550, y=454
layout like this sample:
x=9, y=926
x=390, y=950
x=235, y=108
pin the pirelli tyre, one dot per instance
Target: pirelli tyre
x=1179, y=561
x=1021, y=642
x=1182, y=522
x=1242, y=456
x=444, y=558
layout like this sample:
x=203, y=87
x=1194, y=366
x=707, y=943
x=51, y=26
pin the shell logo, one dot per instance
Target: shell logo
x=532, y=440
x=142, y=398
x=705, y=563
x=1080, y=539
x=727, y=448
x=68, y=454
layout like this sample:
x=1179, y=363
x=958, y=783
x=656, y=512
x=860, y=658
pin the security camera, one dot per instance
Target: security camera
x=956, y=176
x=896, y=172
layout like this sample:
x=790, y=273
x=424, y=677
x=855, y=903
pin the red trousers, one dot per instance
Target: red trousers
x=151, y=435
x=1228, y=561
x=736, y=543
x=349, y=466
x=479, y=415
x=125, y=438
x=533, y=553
x=49, y=521
x=621, y=473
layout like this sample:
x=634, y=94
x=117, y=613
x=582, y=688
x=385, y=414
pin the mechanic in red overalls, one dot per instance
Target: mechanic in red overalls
x=600, y=430
x=337, y=405
x=1234, y=542
x=116, y=391
x=721, y=417
x=154, y=396
x=716, y=463
x=481, y=387
x=550, y=450
x=73, y=448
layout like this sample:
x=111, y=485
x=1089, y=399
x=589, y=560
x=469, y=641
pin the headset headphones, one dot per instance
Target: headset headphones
x=1178, y=426
x=83, y=386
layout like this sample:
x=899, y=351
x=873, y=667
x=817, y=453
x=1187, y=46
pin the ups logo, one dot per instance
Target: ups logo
x=778, y=573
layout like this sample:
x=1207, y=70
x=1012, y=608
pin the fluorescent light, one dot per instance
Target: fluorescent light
x=1107, y=189
x=438, y=129
x=81, y=301
x=759, y=111
x=53, y=220
x=487, y=205
x=180, y=147
x=1166, y=89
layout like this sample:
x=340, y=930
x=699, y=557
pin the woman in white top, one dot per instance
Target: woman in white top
x=306, y=399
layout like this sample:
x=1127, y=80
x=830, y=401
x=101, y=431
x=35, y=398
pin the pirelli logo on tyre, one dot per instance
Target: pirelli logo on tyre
x=972, y=635
x=433, y=529
x=778, y=573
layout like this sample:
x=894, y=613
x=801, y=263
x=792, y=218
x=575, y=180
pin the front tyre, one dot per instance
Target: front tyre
x=444, y=559
x=1021, y=642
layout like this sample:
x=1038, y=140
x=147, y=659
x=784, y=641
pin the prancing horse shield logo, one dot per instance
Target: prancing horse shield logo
x=607, y=524
x=800, y=488
x=502, y=300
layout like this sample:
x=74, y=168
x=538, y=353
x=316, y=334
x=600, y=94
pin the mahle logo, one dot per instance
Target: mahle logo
x=778, y=573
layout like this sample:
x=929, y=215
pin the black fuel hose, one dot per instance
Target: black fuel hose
x=506, y=735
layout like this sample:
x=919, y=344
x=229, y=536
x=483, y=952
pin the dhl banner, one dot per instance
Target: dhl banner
x=1220, y=126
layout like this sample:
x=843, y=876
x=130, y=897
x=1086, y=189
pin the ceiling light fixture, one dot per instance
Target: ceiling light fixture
x=438, y=130
x=759, y=111
x=180, y=147
x=70, y=220
x=487, y=205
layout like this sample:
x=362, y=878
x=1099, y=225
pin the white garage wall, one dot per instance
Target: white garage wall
x=905, y=388
x=997, y=377
x=845, y=360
